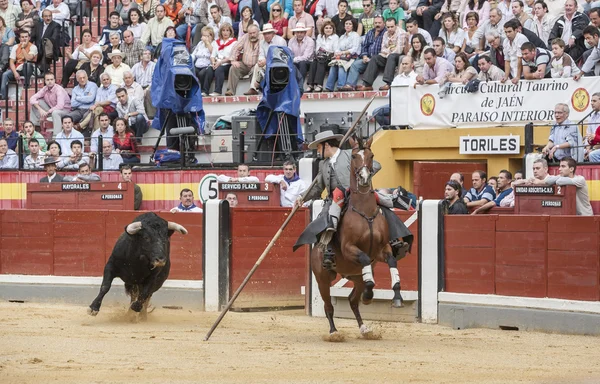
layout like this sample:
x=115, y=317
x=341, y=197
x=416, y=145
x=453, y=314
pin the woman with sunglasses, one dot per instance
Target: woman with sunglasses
x=279, y=23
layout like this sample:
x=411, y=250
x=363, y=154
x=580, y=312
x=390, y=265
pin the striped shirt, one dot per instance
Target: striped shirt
x=249, y=51
x=371, y=46
x=486, y=193
x=143, y=76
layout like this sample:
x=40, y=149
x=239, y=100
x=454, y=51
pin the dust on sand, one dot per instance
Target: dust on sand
x=42, y=343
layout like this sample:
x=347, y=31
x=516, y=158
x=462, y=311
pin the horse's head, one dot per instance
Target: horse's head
x=362, y=162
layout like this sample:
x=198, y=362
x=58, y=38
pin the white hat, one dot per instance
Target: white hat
x=324, y=136
x=300, y=27
x=116, y=52
x=268, y=28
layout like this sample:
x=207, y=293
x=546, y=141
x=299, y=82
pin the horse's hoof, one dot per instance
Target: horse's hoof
x=397, y=303
x=364, y=330
x=369, y=285
x=335, y=337
x=367, y=297
x=368, y=333
x=92, y=312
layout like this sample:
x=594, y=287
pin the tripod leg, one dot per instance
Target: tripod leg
x=162, y=132
x=262, y=136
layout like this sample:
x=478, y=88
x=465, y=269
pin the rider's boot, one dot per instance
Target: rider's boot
x=399, y=248
x=334, y=217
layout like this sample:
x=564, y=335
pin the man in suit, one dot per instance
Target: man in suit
x=50, y=168
x=334, y=176
x=46, y=36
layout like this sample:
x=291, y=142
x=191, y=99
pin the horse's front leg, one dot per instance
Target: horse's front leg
x=393, y=264
x=367, y=273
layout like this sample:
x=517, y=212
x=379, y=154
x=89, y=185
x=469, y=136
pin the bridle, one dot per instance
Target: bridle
x=357, y=176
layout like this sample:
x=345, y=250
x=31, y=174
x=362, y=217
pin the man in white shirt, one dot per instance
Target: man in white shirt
x=290, y=184
x=186, y=196
x=9, y=12
x=110, y=160
x=218, y=19
x=8, y=157
x=142, y=72
x=512, y=51
x=567, y=177
x=67, y=135
x=134, y=90
x=270, y=39
x=60, y=12
x=105, y=130
x=407, y=75
x=412, y=27
x=243, y=176
x=35, y=160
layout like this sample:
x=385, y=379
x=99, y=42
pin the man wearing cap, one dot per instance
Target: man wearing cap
x=51, y=175
x=258, y=73
x=334, y=176
x=303, y=49
x=117, y=68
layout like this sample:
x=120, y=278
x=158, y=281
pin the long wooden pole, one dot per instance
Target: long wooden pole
x=279, y=232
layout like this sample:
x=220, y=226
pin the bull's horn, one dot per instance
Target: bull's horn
x=134, y=227
x=176, y=227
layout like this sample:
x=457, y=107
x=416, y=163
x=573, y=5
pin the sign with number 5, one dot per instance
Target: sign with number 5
x=208, y=189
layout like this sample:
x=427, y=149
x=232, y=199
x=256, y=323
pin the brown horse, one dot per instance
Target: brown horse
x=362, y=240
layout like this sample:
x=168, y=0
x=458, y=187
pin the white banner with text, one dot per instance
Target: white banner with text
x=495, y=104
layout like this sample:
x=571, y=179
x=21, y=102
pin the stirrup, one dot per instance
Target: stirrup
x=399, y=249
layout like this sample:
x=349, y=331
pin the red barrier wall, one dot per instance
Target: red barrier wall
x=283, y=272
x=530, y=256
x=78, y=243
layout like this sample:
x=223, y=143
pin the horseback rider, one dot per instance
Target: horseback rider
x=334, y=176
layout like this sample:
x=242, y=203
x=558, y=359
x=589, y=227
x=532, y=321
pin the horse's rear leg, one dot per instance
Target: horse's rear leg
x=324, y=279
x=367, y=277
x=397, y=301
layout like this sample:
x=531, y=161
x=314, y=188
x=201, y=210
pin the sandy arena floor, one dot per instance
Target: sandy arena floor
x=44, y=343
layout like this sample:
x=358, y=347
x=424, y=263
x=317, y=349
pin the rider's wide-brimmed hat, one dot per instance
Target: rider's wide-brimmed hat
x=324, y=136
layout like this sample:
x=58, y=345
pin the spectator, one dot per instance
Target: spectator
x=542, y=23
x=8, y=40
x=105, y=130
x=518, y=175
x=132, y=49
x=144, y=70
x=342, y=16
x=565, y=139
x=51, y=175
x=243, y=176
x=249, y=49
x=481, y=193
x=9, y=13
x=506, y=7
x=460, y=179
x=84, y=175
x=463, y=70
x=246, y=21
x=512, y=51
x=366, y=21
x=567, y=176
x=326, y=45
x=346, y=52
x=392, y=47
x=426, y=12
x=504, y=189
x=169, y=33
x=77, y=157
x=35, y=159
x=113, y=26
x=493, y=182
x=561, y=64
x=8, y=158
x=9, y=134
x=206, y=15
x=82, y=97
x=47, y=34
x=110, y=160
x=114, y=43
x=518, y=11
x=30, y=133
x=488, y=71
x=412, y=27
x=529, y=35
x=535, y=62
x=55, y=153
x=28, y=18
x=148, y=8
x=218, y=20
x=481, y=9
x=303, y=50
x=81, y=55
x=232, y=199
x=172, y=8
x=435, y=69
x=126, y=176
x=132, y=110
x=125, y=143
x=60, y=12
x=453, y=204
x=305, y=18
x=190, y=15
x=494, y=24
x=439, y=46
x=472, y=43
x=201, y=58
x=592, y=63
x=406, y=75
x=592, y=132
x=270, y=39
x=22, y=57
x=540, y=172
x=451, y=33
x=105, y=102
x=136, y=24
x=124, y=8
x=569, y=27
x=134, y=90
x=417, y=52
x=220, y=64
x=325, y=9
x=67, y=136
x=371, y=46
x=156, y=28
x=290, y=184
x=496, y=50
x=186, y=196
x=117, y=68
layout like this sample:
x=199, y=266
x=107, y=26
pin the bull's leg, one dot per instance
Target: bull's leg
x=367, y=276
x=104, y=288
x=324, y=278
x=393, y=264
x=144, y=296
x=144, y=312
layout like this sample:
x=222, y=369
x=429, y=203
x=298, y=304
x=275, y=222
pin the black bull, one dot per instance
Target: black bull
x=140, y=258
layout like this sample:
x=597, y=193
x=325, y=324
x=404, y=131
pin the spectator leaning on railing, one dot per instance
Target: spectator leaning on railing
x=592, y=133
x=567, y=176
x=565, y=139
